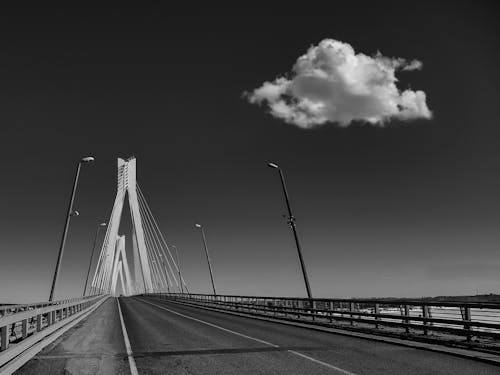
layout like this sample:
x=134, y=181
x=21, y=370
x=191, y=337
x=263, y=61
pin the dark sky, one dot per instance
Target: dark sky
x=408, y=209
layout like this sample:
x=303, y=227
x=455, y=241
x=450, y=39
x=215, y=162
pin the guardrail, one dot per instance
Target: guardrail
x=22, y=321
x=450, y=321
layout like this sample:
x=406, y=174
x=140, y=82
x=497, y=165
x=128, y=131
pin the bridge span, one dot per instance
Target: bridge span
x=159, y=327
x=150, y=335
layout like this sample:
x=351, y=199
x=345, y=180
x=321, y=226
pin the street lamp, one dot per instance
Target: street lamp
x=92, y=255
x=291, y=222
x=69, y=213
x=208, y=257
x=178, y=267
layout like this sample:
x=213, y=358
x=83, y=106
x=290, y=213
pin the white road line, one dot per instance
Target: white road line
x=338, y=369
x=131, y=360
x=322, y=363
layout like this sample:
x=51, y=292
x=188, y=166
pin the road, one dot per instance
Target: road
x=168, y=338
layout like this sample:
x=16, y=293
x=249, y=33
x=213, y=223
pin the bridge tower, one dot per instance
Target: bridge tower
x=120, y=266
x=108, y=266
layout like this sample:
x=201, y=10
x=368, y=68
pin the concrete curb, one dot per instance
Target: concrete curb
x=463, y=353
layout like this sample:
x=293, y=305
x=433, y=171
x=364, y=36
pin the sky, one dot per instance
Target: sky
x=387, y=203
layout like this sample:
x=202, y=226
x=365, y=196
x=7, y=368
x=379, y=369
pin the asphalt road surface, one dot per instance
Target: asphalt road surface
x=168, y=338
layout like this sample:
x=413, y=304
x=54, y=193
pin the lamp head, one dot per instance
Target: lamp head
x=103, y=224
x=197, y=225
x=75, y=213
x=87, y=159
x=273, y=165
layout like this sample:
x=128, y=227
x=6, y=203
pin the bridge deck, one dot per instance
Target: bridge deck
x=168, y=338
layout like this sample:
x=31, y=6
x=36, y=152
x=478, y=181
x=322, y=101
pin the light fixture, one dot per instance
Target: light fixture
x=273, y=165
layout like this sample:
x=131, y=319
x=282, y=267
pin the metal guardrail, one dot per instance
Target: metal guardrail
x=22, y=321
x=456, y=320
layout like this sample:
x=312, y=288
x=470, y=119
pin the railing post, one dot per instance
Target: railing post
x=24, y=328
x=351, y=309
x=407, y=320
x=467, y=318
x=39, y=322
x=331, y=311
x=425, y=314
x=4, y=337
x=377, y=311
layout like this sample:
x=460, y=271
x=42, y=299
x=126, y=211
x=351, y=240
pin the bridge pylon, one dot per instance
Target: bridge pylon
x=107, y=268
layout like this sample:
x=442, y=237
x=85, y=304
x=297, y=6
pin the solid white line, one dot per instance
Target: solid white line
x=341, y=370
x=131, y=360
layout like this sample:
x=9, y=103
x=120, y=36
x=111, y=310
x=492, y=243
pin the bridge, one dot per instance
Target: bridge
x=138, y=316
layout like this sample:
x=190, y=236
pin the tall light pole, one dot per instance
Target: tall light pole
x=291, y=222
x=92, y=255
x=178, y=267
x=87, y=159
x=208, y=257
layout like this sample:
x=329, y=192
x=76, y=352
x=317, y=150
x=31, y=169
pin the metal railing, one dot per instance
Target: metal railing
x=17, y=322
x=448, y=321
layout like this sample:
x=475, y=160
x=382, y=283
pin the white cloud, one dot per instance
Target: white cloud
x=331, y=83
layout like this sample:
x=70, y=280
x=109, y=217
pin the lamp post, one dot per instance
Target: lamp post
x=208, y=257
x=178, y=267
x=87, y=159
x=291, y=222
x=92, y=255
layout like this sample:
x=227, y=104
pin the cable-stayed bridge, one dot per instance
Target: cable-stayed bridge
x=138, y=317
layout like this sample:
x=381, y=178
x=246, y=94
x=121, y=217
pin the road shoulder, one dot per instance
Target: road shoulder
x=95, y=344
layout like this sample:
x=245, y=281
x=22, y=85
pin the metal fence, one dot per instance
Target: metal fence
x=447, y=320
x=17, y=322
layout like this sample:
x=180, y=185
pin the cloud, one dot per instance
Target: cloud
x=331, y=83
